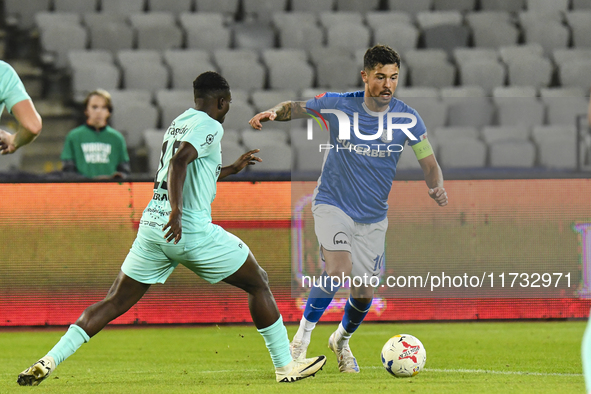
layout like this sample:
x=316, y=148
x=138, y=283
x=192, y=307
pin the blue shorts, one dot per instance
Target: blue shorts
x=212, y=253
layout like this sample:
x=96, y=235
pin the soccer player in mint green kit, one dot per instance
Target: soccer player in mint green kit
x=14, y=96
x=176, y=228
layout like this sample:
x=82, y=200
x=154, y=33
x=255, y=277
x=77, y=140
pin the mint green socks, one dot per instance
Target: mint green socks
x=277, y=342
x=68, y=344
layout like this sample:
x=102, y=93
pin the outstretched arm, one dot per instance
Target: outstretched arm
x=177, y=172
x=30, y=120
x=434, y=179
x=247, y=159
x=284, y=111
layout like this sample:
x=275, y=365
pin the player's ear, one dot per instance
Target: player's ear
x=221, y=101
x=364, y=76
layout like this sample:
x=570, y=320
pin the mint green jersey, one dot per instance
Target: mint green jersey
x=205, y=134
x=12, y=90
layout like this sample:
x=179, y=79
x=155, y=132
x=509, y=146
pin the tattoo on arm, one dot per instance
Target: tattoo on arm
x=289, y=110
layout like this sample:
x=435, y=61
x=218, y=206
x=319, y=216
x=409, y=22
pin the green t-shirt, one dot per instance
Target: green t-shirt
x=95, y=153
x=12, y=90
x=199, y=189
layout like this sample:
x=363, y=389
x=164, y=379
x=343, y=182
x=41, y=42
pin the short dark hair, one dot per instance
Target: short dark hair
x=380, y=54
x=210, y=84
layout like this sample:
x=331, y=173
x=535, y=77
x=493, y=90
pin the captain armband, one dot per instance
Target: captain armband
x=423, y=149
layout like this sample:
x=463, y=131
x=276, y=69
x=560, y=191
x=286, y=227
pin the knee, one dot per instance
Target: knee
x=263, y=279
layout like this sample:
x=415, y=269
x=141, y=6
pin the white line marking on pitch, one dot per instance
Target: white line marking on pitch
x=460, y=370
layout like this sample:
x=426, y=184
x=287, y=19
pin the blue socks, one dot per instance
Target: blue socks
x=320, y=297
x=355, y=312
x=68, y=344
x=277, y=342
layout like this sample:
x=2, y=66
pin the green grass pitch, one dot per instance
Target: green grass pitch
x=479, y=357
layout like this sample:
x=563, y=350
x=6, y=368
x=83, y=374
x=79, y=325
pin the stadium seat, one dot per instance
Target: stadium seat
x=350, y=37
x=205, y=31
x=12, y=162
x=183, y=74
x=177, y=56
x=461, y=153
x=422, y=56
x=77, y=6
x=234, y=56
x=45, y=20
x=357, y=6
x=276, y=157
x=512, y=53
x=239, y=115
x=419, y=92
x=77, y=58
x=143, y=69
x=556, y=146
x=550, y=35
x=153, y=141
x=312, y=5
x=156, y=30
x=485, y=73
x=465, y=55
x=514, y=91
x=228, y=7
x=437, y=18
x=380, y=19
x=133, y=58
x=278, y=57
x=562, y=56
x=126, y=7
x=580, y=24
x=308, y=157
x=21, y=13
x=175, y=6
x=130, y=95
x=231, y=151
x=253, y=36
x=565, y=110
x=471, y=112
x=344, y=18
x=265, y=99
x=108, y=33
x=132, y=118
x=241, y=68
x=262, y=10
x=291, y=75
x=512, y=154
x=547, y=6
x=338, y=73
x=431, y=110
x=515, y=111
x=170, y=110
x=407, y=160
x=490, y=31
x=232, y=137
x=175, y=95
x=56, y=41
x=575, y=73
x=581, y=5
x=454, y=5
x=572, y=91
x=320, y=53
x=459, y=93
x=434, y=75
x=87, y=78
x=294, y=19
x=502, y=5
x=530, y=71
x=253, y=138
x=412, y=7
x=401, y=37
x=311, y=36
x=455, y=133
x=446, y=37
x=492, y=134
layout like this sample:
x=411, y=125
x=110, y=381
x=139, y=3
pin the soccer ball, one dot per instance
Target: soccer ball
x=404, y=356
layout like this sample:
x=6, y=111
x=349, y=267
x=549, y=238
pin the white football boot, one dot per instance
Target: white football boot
x=347, y=362
x=298, y=349
x=300, y=369
x=37, y=372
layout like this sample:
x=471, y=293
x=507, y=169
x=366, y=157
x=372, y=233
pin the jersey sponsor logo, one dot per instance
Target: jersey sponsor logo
x=340, y=238
x=174, y=131
x=209, y=139
x=320, y=95
x=160, y=197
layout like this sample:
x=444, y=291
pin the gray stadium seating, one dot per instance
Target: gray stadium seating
x=419, y=92
x=312, y=5
x=493, y=134
x=238, y=116
x=454, y=94
x=231, y=151
x=573, y=91
x=564, y=110
x=546, y=6
x=174, y=6
x=454, y=5
x=153, y=141
x=380, y=19
x=575, y=73
x=401, y=37
x=515, y=111
x=431, y=110
x=46, y=19
x=156, y=30
x=446, y=37
x=112, y=36
x=464, y=55
x=437, y=18
x=580, y=23
x=253, y=36
x=229, y=7
x=132, y=118
x=511, y=53
x=473, y=111
x=485, y=73
x=357, y=6
x=351, y=37
x=512, y=154
x=291, y=75
x=126, y=7
x=514, y=91
x=79, y=58
x=344, y=18
x=241, y=68
x=21, y=13
x=130, y=95
x=412, y=7
x=462, y=153
x=502, y=5
x=530, y=71
x=581, y=5
x=556, y=146
x=88, y=78
x=550, y=35
x=337, y=72
x=307, y=153
x=56, y=41
x=170, y=110
x=492, y=30
x=262, y=10
x=254, y=138
x=561, y=56
x=205, y=31
x=78, y=6
x=276, y=157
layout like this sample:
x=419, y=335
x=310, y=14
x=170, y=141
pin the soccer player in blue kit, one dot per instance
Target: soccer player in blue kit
x=350, y=201
x=176, y=228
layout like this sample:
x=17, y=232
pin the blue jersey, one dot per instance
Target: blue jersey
x=357, y=174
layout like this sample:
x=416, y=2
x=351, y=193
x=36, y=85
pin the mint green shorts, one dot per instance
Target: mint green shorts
x=212, y=253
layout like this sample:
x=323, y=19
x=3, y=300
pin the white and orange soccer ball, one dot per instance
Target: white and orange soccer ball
x=404, y=356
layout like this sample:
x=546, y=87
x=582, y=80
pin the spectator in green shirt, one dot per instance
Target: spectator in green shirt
x=14, y=96
x=94, y=149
